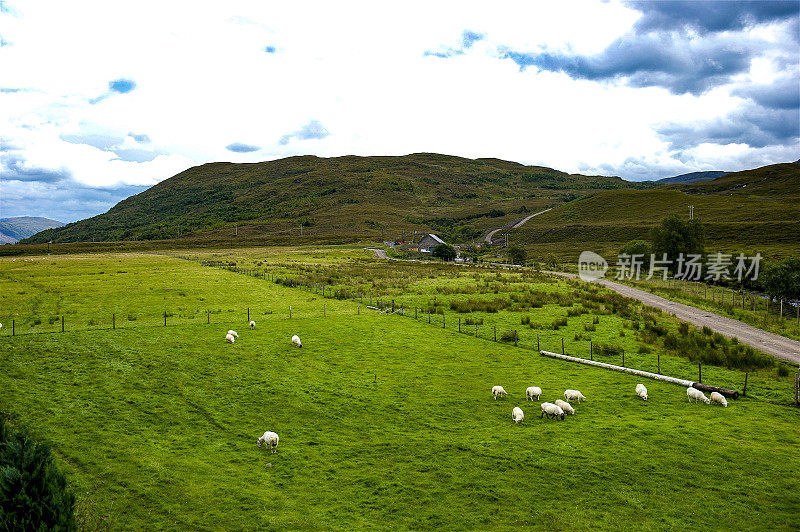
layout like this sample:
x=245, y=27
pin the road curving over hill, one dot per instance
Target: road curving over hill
x=766, y=342
x=490, y=235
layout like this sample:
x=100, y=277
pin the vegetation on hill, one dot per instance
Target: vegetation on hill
x=20, y=227
x=347, y=196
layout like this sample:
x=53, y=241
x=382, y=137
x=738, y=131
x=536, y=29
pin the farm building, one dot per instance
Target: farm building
x=429, y=242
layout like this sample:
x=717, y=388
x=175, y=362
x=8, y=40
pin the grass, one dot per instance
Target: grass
x=385, y=421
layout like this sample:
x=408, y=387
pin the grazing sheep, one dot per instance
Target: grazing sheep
x=517, y=414
x=641, y=391
x=252, y=324
x=565, y=406
x=271, y=439
x=296, y=341
x=234, y=334
x=570, y=395
x=717, y=397
x=498, y=390
x=229, y=337
x=697, y=395
x=533, y=391
x=551, y=410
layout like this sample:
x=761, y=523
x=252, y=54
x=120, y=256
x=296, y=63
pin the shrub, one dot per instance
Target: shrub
x=670, y=341
x=33, y=491
x=707, y=330
x=474, y=321
x=509, y=336
x=783, y=371
x=683, y=328
x=525, y=320
x=589, y=327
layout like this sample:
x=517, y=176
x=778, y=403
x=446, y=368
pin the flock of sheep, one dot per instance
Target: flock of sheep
x=560, y=408
x=269, y=438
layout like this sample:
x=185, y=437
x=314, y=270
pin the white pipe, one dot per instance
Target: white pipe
x=682, y=382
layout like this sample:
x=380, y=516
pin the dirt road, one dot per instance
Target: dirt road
x=767, y=342
x=490, y=234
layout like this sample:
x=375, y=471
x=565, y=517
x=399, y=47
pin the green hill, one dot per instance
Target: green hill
x=342, y=197
x=749, y=211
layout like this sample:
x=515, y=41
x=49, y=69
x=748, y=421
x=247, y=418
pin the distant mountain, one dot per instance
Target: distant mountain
x=14, y=229
x=693, y=177
x=353, y=196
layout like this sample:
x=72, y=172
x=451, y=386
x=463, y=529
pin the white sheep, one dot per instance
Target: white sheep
x=234, y=334
x=697, y=395
x=271, y=439
x=641, y=391
x=531, y=392
x=498, y=390
x=296, y=341
x=517, y=414
x=252, y=324
x=570, y=395
x=229, y=337
x=717, y=397
x=565, y=406
x=551, y=410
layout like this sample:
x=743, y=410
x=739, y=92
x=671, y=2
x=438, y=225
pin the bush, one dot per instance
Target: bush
x=33, y=491
x=683, y=328
x=509, y=336
x=525, y=320
x=783, y=371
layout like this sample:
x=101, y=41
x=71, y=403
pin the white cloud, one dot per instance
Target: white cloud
x=358, y=70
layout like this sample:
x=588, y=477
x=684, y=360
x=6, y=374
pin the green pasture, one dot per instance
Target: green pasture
x=385, y=421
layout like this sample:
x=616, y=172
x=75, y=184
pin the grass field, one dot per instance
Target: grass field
x=385, y=421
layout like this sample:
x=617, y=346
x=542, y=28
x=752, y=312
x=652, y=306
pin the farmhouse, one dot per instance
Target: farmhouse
x=429, y=242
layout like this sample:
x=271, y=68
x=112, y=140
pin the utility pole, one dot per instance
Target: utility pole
x=301, y=230
x=236, y=229
x=691, y=212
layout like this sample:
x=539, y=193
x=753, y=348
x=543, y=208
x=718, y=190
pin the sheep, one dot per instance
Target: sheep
x=296, y=341
x=234, y=334
x=531, y=392
x=252, y=324
x=517, y=414
x=498, y=390
x=569, y=395
x=697, y=395
x=641, y=391
x=271, y=439
x=565, y=406
x=229, y=337
x=551, y=410
x=717, y=397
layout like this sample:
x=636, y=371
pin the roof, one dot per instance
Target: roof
x=439, y=240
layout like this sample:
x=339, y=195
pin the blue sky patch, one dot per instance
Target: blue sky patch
x=122, y=86
x=238, y=147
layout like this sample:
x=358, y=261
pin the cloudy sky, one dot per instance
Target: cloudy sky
x=99, y=100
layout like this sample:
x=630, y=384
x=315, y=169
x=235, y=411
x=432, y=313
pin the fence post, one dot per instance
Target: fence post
x=590, y=351
x=623, y=358
x=13, y=327
x=290, y=311
x=415, y=312
x=113, y=321
x=165, y=320
x=659, y=362
x=358, y=309
x=248, y=314
x=62, y=323
x=515, y=338
x=495, y=333
x=744, y=391
x=700, y=372
x=562, y=346
x=459, y=324
x=443, y=320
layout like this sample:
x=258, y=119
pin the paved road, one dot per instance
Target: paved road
x=767, y=342
x=770, y=343
x=490, y=234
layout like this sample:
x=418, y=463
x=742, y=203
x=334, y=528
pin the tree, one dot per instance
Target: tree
x=33, y=491
x=444, y=252
x=517, y=255
x=675, y=237
x=782, y=280
x=638, y=247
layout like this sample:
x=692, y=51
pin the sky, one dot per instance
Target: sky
x=100, y=100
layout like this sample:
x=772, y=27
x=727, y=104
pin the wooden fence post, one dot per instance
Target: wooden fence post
x=659, y=362
x=165, y=319
x=443, y=320
x=459, y=324
x=623, y=358
x=590, y=351
x=113, y=321
x=495, y=333
x=415, y=312
x=744, y=391
x=62, y=323
x=358, y=309
x=700, y=372
x=290, y=311
x=248, y=315
x=515, y=338
x=562, y=346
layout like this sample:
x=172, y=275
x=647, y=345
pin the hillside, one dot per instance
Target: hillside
x=20, y=227
x=750, y=211
x=693, y=177
x=345, y=197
